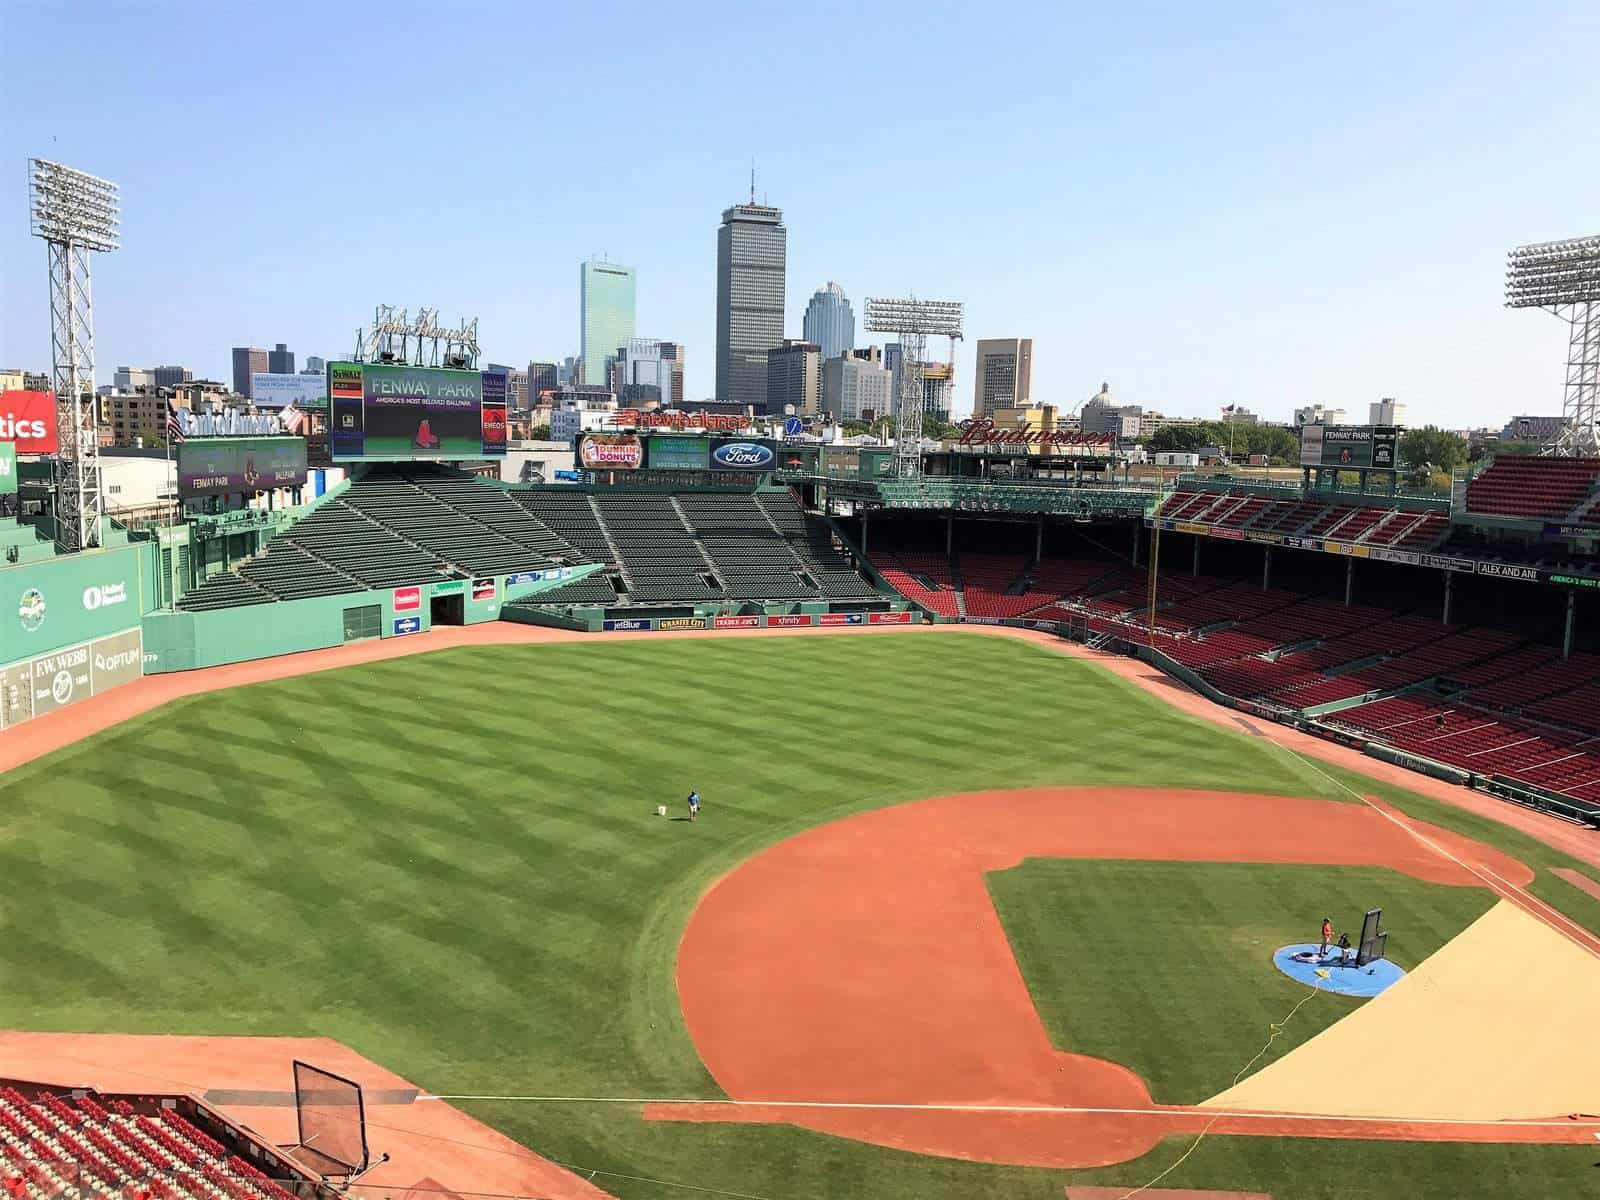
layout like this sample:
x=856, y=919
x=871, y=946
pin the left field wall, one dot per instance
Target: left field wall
x=71, y=627
x=74, y=626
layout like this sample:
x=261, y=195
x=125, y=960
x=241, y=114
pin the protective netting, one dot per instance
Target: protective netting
x=332, y=1119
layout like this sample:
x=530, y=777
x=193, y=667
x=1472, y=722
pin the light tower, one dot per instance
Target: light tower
x=913, y=321
x=1564, y=278
x=76, y=215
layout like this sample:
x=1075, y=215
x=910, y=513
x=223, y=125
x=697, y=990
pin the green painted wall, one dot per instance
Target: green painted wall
x=72, y=598
x=182, y=641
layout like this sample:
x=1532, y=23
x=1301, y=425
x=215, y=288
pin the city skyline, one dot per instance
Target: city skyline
x=1312, y=230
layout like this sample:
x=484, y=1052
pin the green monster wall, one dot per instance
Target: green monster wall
x=182, y=641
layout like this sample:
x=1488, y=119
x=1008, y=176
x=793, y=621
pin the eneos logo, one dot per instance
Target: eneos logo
x=743, y=456
x=30, y=610
x=104, y=596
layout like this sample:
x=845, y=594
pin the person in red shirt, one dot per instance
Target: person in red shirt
x=1327, y=934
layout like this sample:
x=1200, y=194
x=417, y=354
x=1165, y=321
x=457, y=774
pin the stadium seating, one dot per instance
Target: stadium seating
x=925, y=577
x=659, y=558
x=50, y=1147
x=1547, y=489
x=694, y=546
x=811, y=541
x=394, y=526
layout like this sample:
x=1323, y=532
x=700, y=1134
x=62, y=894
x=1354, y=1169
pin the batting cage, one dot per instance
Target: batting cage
x=332, y=1121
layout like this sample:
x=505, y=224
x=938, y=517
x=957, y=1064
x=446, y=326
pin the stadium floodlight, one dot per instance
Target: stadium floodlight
x=76, y=215
x=914, y=321
x=1564, y=278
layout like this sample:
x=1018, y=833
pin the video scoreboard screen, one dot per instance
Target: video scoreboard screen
x=389, y=411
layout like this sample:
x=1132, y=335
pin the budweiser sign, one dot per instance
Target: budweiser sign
x=982, y=431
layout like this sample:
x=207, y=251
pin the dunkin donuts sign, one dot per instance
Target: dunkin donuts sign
x=611, y=452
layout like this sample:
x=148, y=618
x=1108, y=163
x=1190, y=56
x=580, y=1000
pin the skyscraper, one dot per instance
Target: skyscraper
x=794, y=378
x=1003, y=375
x=247, y=360
x=280, y=360
x=647, y=363
x=752, y=258
x=542, y=377
x=172, y=376
x=829, y=322
x=606, y=294
x=855, y=387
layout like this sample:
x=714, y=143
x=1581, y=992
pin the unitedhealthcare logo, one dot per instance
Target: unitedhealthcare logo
x=104, y=596
x=748, y=456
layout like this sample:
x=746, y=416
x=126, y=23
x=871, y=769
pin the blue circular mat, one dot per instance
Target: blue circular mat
x=1326, y=973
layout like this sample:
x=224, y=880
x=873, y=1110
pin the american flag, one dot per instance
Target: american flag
x=1227, y=410
x=174, y=429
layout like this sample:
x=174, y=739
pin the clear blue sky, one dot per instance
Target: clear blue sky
x=1265, y=204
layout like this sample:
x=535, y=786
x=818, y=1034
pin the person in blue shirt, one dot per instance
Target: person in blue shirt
x=694, y=805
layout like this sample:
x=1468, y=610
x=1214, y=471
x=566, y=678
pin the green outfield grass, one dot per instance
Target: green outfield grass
x=451, y=862
x=1176, y=989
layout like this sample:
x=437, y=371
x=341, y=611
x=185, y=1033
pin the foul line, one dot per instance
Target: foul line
x=1575, y=933
x=1041, y=1109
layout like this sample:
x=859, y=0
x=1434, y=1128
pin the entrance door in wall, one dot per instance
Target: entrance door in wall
x=448, y=610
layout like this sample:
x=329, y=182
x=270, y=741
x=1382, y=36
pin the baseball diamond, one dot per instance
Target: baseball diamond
x=728, y=836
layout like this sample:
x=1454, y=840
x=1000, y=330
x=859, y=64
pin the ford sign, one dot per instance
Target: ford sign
x=743, y=456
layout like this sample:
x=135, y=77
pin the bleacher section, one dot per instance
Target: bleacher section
x=394, y=526
x=695, y=547
x=1544, y=489
x=50, y=1147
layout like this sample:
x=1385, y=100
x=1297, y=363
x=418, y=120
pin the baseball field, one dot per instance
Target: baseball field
x=933, y=877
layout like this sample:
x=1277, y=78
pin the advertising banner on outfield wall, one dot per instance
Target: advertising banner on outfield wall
x=842, y=618
x=791, y=621
x=67, y=600
x=42, y=684
x=737, y=623
x=629, y=625
x=8, y=469
x=889, y=618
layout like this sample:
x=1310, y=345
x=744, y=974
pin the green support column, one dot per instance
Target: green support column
x=1349, y=581
x=1195, y=570
x=1572, y=625
x=1266, y=568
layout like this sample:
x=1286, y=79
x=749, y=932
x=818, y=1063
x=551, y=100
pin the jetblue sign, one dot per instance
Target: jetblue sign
x=731, y=454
